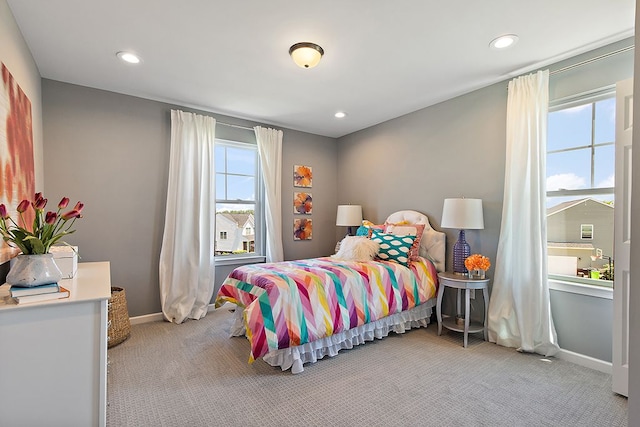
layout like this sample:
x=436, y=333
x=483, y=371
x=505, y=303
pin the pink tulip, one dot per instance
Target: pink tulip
x=23, y=206
x=40, y=204
x=51, y=217
x=71, y=214
x=63, y=203
x=47, y=226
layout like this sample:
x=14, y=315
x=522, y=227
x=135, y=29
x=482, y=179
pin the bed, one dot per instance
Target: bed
x=297, y=312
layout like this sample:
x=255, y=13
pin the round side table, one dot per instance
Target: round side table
x=461, y=282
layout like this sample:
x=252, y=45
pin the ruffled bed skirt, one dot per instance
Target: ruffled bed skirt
x=295, y=357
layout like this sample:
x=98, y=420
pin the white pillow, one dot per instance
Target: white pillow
x=357, y=248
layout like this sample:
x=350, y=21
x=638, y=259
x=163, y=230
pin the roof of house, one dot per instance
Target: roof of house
x=239, y=218
x=571, y=203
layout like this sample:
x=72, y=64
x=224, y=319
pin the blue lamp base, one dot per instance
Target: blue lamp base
x=461, y=251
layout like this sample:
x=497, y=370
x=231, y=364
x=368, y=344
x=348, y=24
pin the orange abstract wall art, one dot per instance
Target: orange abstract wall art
x=17, y=169
x=302, y=229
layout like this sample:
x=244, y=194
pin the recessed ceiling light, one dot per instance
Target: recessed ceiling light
x=340, y=114
x=503, y=41
x=129, y=57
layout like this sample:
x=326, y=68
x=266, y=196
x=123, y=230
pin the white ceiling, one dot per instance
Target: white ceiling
x=382, y=59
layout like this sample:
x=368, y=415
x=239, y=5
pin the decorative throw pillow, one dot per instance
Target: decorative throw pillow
x=411, y=230
x=366, y=227
x=393, y=247
x=363, y=231
x=357, y=248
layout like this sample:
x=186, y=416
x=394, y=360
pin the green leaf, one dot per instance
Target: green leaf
x=36, y=245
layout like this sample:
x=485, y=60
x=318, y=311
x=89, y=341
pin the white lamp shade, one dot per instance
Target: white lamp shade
x=349, y=215
x=306, y=55
x=462, y=214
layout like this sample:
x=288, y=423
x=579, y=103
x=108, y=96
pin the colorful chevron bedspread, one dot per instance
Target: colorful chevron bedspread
x=295, y=302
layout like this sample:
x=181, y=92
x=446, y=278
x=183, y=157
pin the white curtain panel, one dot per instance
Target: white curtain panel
x=270, y=153
x=187, y=255
x=519, y=309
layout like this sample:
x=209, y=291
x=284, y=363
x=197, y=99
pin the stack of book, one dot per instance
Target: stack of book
x=46, y=292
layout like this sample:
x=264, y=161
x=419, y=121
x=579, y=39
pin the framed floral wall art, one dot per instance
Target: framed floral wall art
x=302, y=176
x=302, y=229
x=302, y=203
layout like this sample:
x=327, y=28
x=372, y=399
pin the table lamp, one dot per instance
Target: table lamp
x=349, y=216
x=462, y=214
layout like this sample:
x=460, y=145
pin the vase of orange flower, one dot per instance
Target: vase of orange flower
x=477, y=265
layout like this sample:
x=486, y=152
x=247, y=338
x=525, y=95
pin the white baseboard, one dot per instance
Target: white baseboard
x=155, y=317
x=586, y=361
x=147, y=318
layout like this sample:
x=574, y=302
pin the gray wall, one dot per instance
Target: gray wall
x=112, y=152
x=583, y=323
x=320, y=153
x=452, y=149
x=457, y=148
x=594, y=75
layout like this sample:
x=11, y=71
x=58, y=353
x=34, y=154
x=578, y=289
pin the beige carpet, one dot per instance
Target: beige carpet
x=194, y=375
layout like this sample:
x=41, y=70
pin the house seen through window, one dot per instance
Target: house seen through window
x=238, y=192
x=580, y=189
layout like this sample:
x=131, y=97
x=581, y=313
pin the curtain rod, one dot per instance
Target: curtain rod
x=594, y=59
x=234, y=126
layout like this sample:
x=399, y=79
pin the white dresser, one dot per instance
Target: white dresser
x=53, y=354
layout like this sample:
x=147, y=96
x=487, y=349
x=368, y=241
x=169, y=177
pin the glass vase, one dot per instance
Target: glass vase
x=476, y=274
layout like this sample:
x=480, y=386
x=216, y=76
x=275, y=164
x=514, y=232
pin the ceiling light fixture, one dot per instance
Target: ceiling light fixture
x=129, y=57
x=306, y=54
x=340, y=115
x=503, y=42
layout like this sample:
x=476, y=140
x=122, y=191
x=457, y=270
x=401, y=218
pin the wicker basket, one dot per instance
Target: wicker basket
x=119, y=327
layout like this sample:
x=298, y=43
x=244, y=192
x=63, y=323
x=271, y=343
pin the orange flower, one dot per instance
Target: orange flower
x=477, y=262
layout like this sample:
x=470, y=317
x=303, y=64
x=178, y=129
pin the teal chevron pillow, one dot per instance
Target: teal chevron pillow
x=393, y=247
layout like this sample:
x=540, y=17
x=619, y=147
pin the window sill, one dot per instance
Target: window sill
x=580, y=288
x=239, y=260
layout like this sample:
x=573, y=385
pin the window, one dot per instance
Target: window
x=586, y=231
x=580, y=188
x=238, y=198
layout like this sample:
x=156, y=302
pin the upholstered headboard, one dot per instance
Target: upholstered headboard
x=433, y=243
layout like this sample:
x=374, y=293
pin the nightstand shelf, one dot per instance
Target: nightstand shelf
x=462, y=283
x=449, y=322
